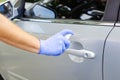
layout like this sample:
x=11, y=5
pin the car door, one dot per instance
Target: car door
x=111, y=52
x=23, y=65
x=89, y=35
x=112, y=56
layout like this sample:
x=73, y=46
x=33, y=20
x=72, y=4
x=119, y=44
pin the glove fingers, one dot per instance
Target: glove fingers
x=60, y=48
x=66, y=43
x=63, y=48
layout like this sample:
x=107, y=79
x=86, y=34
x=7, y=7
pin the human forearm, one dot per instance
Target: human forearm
x=13, y=35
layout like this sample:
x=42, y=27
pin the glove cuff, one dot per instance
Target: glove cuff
x=41, y=50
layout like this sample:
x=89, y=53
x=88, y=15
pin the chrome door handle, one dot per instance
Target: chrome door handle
x=81, y=53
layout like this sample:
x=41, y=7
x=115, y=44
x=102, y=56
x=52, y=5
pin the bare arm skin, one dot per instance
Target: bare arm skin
x=13, y=35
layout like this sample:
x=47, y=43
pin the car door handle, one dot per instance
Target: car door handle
x=81, y=53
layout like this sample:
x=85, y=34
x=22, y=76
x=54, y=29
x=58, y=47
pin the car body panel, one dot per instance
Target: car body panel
x=112, y=55
x=22, y=65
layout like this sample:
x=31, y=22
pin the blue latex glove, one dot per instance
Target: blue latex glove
x=56, y=44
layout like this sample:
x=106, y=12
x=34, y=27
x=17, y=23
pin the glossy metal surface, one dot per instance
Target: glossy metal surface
x=35, y=67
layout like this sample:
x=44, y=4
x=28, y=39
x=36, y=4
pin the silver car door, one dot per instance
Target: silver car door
x=89, y=35
x=112, y=55
x=111, y=50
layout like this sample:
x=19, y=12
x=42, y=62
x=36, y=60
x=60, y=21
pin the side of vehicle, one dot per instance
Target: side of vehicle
x=34, y=67
x=101, y=38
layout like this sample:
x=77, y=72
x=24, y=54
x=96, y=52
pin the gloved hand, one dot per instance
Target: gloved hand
x=56, y=44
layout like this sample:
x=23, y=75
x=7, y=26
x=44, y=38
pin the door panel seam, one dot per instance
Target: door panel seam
x=104, y=46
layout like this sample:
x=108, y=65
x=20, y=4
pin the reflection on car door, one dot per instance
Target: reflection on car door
x=22, y=65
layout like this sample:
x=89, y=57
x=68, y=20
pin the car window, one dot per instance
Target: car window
x=72, y=9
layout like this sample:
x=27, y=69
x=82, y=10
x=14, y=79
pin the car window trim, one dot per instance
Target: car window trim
x=68, y=21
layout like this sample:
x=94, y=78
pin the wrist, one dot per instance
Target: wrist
x=41, y=50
